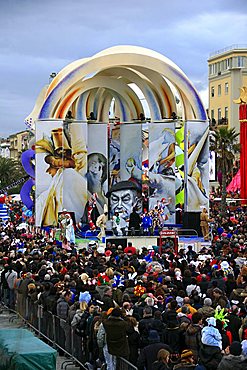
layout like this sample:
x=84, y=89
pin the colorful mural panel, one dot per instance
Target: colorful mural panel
x=162, y=169
x=197, y=165
x=97, y=164
x=61, y=165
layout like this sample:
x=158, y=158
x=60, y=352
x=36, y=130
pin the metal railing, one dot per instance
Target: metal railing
x=52, y=329
x=59, y=333
x=187, y=233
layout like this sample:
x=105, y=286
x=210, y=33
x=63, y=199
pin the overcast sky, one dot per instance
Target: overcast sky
x=38, y=37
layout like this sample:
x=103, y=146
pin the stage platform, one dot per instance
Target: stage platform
x=139, y=242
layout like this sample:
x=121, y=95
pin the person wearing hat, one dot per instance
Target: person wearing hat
x=211, y=335
x=123, y=197
x=149, y=353
x=186, y=361
x=235, y=359
x=66, y=164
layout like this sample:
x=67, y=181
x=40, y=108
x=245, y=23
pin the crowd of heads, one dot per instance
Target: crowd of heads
x=194, y=303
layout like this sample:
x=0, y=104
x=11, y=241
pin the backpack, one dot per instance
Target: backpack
x=81, y=325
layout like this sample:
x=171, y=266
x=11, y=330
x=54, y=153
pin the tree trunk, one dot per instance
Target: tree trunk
x=224, y=193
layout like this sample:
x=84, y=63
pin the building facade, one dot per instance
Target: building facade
x=18, y=143
x=4, y=148
x=227, y=74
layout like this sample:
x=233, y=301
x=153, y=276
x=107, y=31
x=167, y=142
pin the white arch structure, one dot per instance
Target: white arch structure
x=90, y=84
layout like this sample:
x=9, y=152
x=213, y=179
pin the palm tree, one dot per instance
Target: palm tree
x=225, y=145
x=11, y=170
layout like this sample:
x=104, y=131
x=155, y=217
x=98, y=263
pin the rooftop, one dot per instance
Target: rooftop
x=228, y=48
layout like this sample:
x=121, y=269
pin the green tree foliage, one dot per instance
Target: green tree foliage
x=225, y=145
x=11, y=170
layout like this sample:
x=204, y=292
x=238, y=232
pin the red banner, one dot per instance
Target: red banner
x=243, y=154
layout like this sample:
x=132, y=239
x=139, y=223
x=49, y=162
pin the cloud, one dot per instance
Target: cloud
x=38, y=38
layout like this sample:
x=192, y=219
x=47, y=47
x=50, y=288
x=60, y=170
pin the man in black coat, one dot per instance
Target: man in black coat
x=148, y=354
x=107, y=299
x=145, y=325
x=134, y=222
x=234, y=323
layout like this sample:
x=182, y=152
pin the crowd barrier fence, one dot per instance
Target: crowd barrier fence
x=59, y=334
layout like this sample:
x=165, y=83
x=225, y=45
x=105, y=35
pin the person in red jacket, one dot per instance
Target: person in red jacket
x=130, y=250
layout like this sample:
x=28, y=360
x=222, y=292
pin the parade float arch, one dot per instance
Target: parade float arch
x=90, y=86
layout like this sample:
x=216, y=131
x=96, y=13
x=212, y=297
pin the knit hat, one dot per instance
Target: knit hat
x=84, y=297
x=31, y=286
x=186, y=353
x=108, y=312
x=207, y=302
x=108, y=253
x=235, y=348
x=211, y=321
x=153, y=336
x=179, y=301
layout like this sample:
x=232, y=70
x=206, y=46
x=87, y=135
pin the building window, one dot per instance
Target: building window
x=226, y=113
x=212, y=113
x=240, y=61
x=212, y=91
x=219, y=114
x=219, y=90
x=226, y=88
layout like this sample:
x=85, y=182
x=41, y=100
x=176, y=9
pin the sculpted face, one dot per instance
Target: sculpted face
x=95, y=166
x=123, y=200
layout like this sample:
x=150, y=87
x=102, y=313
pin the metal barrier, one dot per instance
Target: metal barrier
x=53, y=329
x=59, y=334
x=187, y=232
x=123, y=364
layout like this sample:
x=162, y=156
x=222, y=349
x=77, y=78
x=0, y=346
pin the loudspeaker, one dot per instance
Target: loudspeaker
x=191, y=220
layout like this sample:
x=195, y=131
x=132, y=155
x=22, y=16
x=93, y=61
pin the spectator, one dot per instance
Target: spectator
x=219, y=299
x=234, y=323
x=186, y=362
x=207, y=309
x=233, y=360
x=116, y=336
x=148, y=354
x=162, y=360
x=193, y=334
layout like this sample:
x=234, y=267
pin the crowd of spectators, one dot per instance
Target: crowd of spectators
x=154, y=307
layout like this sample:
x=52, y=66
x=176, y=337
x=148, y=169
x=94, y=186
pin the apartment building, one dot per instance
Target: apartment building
x=227, y=74
x=18, y=143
